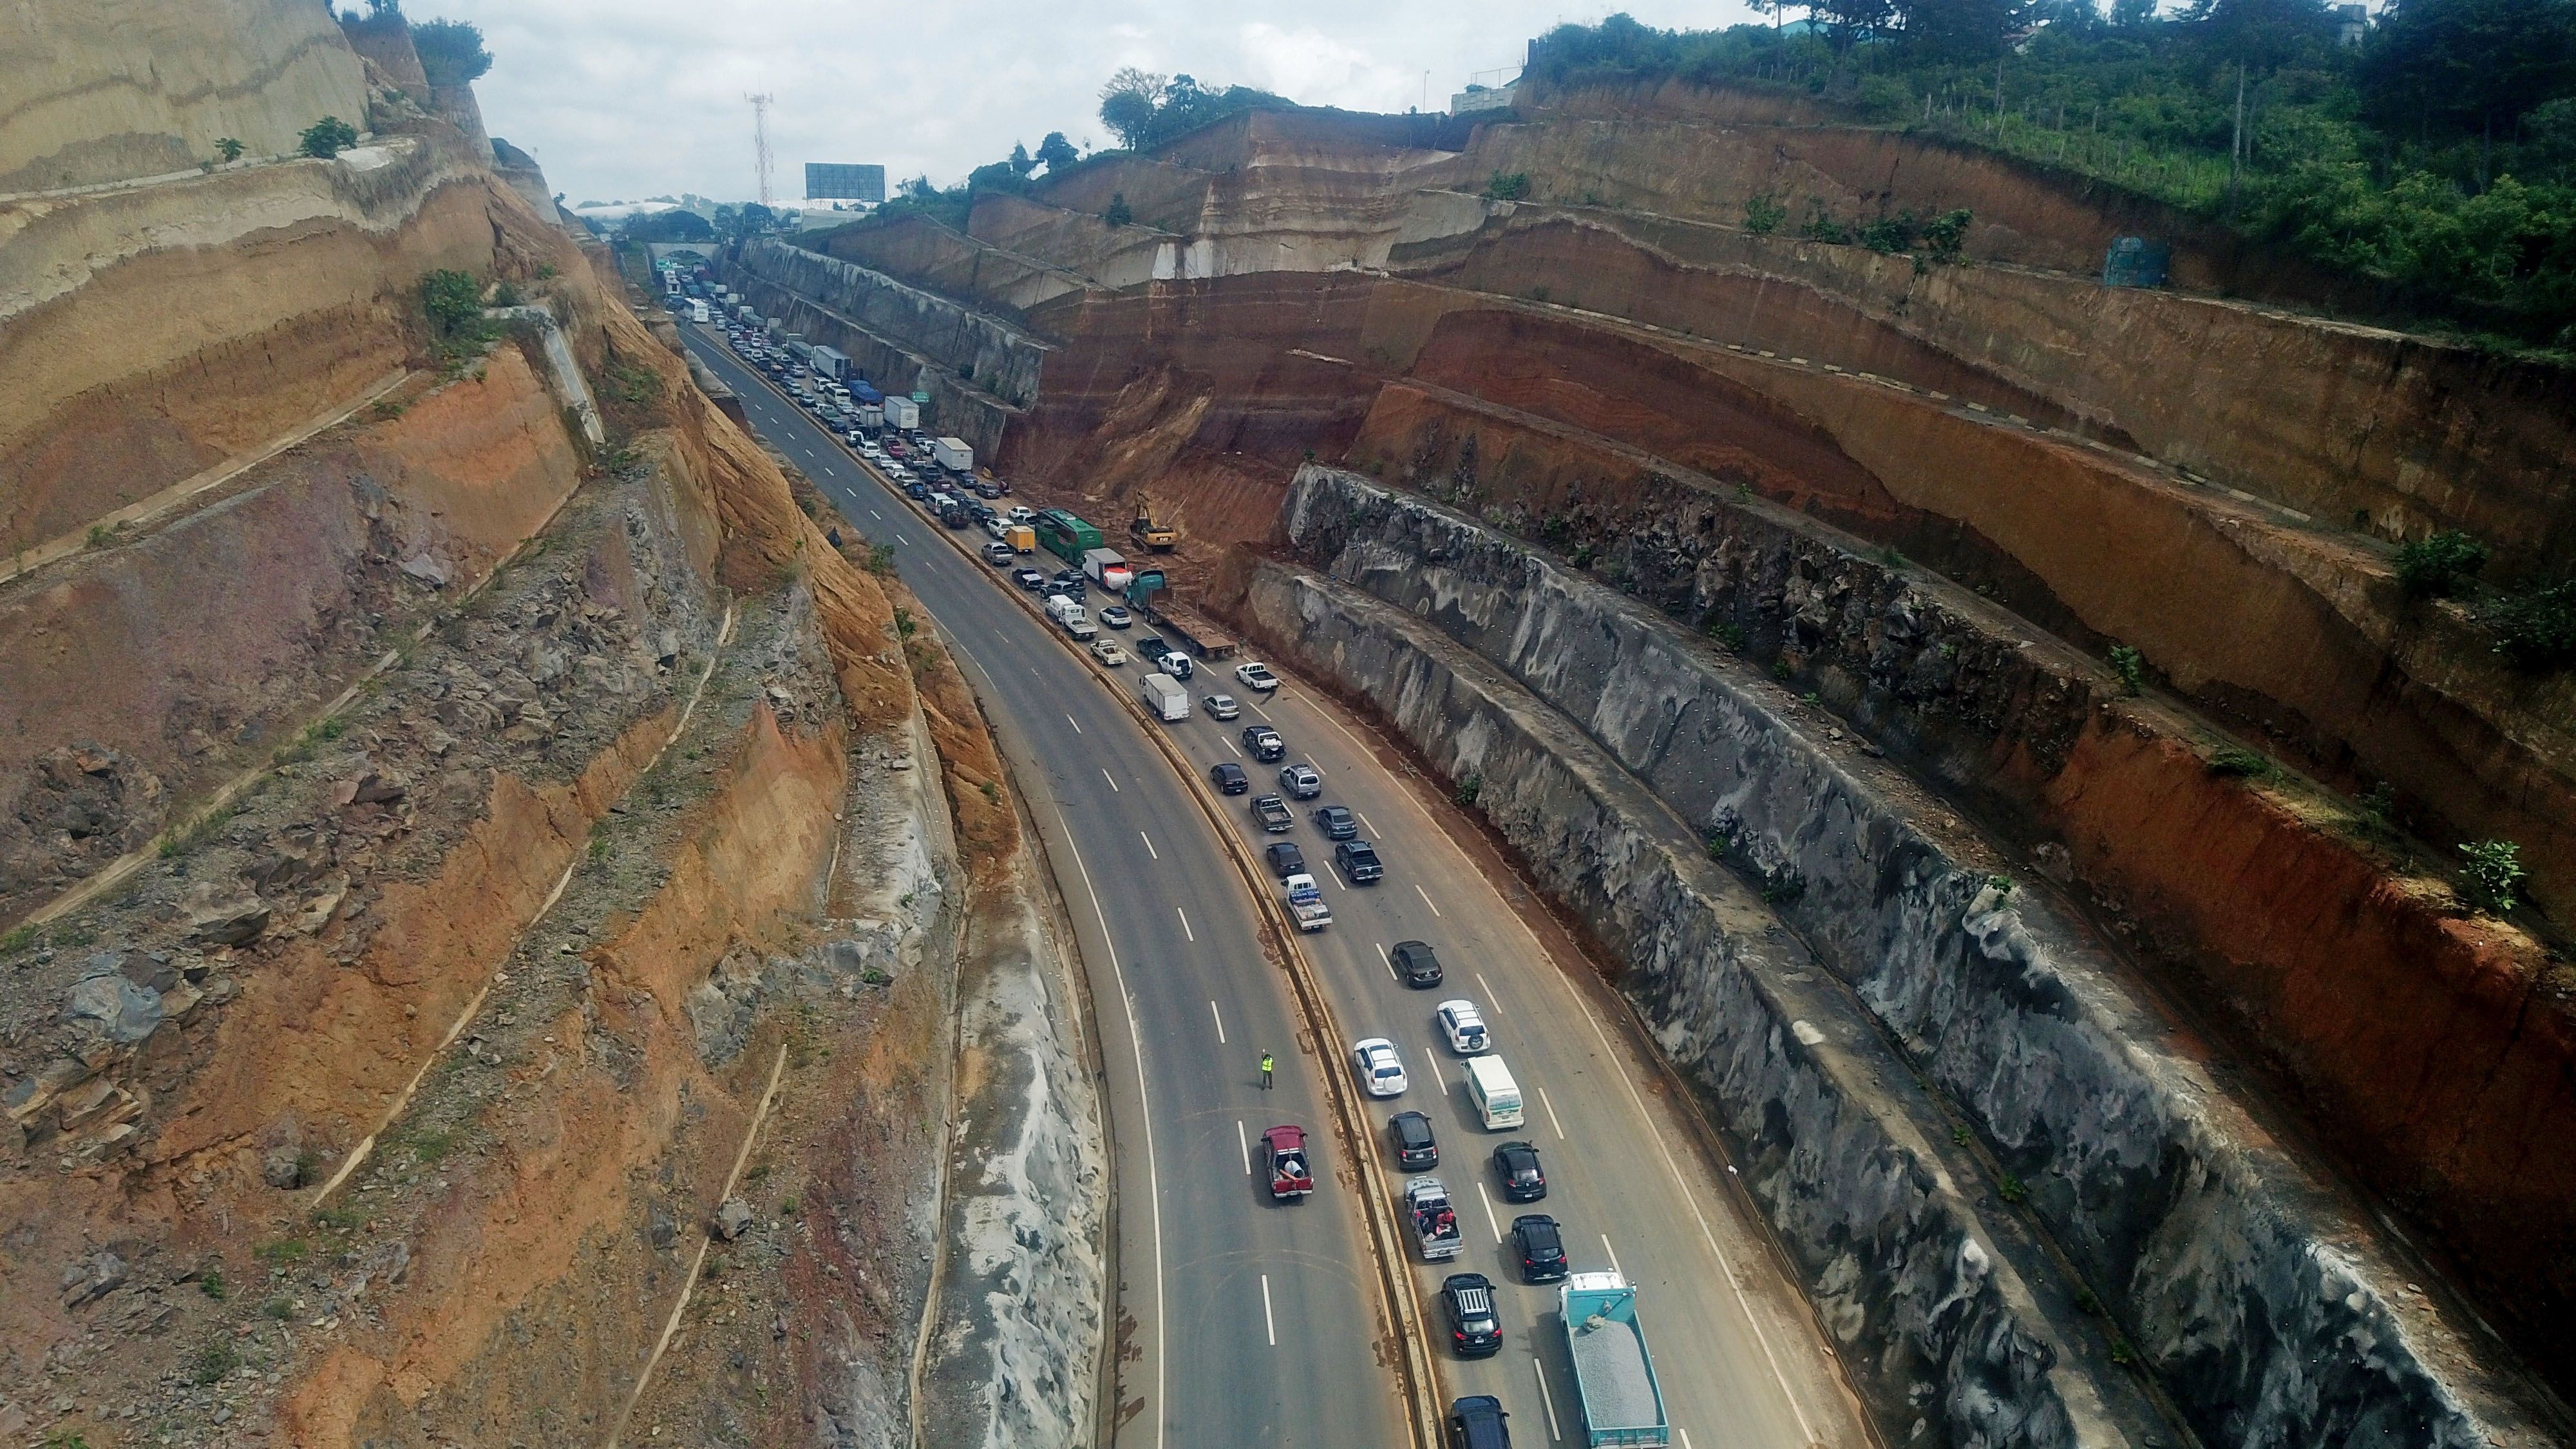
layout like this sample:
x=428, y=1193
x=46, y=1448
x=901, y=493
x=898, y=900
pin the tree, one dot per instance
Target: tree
x=452, y=299
x=1955, y=29
x=1022, y=163
x=2262, y=35
x=752, y=218
x=1127, y=103
x=1057, y=152
x=997, y=176
x=670, y=226
x=451, y=51
x=2474, y=65
x=1119, y=213
x=328, y=137
x=229, y=148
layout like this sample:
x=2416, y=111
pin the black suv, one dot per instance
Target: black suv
x=1150, y=647
x=1516, y=1168
x=1359, y=863
x=1229, y=777
x=1285, y=858
x=1337, y=822
x=1474, y=1327
x=1542, y=1251
x=1262, y=740
x=1416, y=1150
x=1476, y=1422
x=1273, y=814
x=1415, y=963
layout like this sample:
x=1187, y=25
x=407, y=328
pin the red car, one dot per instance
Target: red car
x=1290, y=1176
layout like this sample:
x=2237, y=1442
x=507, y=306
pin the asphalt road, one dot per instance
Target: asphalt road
x=1632, y=1184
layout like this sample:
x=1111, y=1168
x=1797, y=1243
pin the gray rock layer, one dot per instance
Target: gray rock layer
x=2264, y=1302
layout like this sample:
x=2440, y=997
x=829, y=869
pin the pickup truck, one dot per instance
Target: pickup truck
x=1306, y=903
x=1434, y=1221
x=1614, y=1376
x=1070, y=617
x=1358, y=862
x=1291, y=1177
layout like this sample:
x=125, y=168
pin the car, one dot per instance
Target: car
x=915, y=490
x=1516, y=1168
x=1284, y=856
x=993, y=528
x=1264, y=742
x=1337, y=822
x=1357, y=861
x=1415, y=962
x=1175, y=664
x=1221, y=706
x=1229, y=776
x=1541, y=1248
x=1029, y=579
x=1108, y=652
x=1300, y=781
x=1273, y=813
x=1068, y=576
x=999, y=555
x=1256, y=676
x=1464, y=1025
x=1416, y=1150
x=1151, y=646
x=1476, y=1422
x=1475, y=1329
x=1380, y=1068
x=1116, y=615
x=1023, y=515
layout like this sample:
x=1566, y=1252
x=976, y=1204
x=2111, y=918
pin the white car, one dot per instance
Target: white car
x=1023, y=515
x=1464, y=1025
x=1256, y=676
x=1381, y=1070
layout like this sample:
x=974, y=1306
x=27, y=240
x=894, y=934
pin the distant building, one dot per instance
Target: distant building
x=835, y=181
x=2352, y=23
x=1482, y=98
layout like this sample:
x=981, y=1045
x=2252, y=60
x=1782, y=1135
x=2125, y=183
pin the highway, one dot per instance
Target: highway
x=1259, y=1325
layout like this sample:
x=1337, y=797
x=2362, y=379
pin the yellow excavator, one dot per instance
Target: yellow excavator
x=1149, y=528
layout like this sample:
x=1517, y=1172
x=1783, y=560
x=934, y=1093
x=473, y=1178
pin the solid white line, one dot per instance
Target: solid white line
x=1068, y=719
x=1426, y=898
x=1390, y=963
x=1546, y=1398
x=1490, y=1220
x=1242, y=1139
x=1153, y=1174
x=1268, y=1324
x=1185, y=923
x=1113, y=784
x=1614, y=1256
x=1551, y=1114
x=1149, y=845
x=1220, y=1023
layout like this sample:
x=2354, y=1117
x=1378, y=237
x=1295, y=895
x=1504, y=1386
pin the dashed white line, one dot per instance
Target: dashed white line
x=899, y=538
x=1268, y=1324
x=1149, y=845
x=1220, y=1023
x=1238, y=754
x=1256, y=709
x=1365, y=825
x=1551, y=1114
x=1390, y=963
x=1185, y=923
x=1242, y=1139
x=872, y=513
x=1546, y=1398
x=1490, y=1220
x=1489, y=991
x=1113, y=784
x=1605, y=1247
x=1426, y=898
x=1068, y=719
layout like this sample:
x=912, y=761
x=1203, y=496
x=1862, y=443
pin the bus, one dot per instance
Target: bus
x=1065, y=536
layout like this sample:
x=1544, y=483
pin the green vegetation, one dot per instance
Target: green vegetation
x=1763, y=214
x=211, y=1283
x=2012, y=1189
x=1147, y=109
x=1119, y=212
x=280, y=1251
x=2131, y=666
x=229, y=147
x=1468, y=789
x=451, y=51
x=2436, y=160
x=2535, y=625
x=215, y=1360
x=2436, y=566
x=2492, y=876
x=2235, y=762
x=328, y=137
x=338, y=1219
x=1514, y=187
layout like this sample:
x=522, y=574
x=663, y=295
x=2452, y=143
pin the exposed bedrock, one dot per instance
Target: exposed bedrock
x=2267, y=1306
x=998, y=358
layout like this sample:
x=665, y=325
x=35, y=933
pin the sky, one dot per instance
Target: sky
x=623, y=99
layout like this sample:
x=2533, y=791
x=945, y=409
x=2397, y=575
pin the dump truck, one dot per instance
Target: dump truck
x=1433, y=1220
x=1614, y=1376
x=1149, y=528
x=1305, y=902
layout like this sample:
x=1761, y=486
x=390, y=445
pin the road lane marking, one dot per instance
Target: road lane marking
x=1426, y=898
x=899, y=538
x=1153, y=1174
x=1685, y=1433
x=1255, y=707
x=1238, y=754
x=1551, y=1114
x=1220, y=1023
x=1113, y=784
x=1068, y=719
x=1365, y=825
x=1490, y=1220
x=1185, y=923
x=1149, y=845
x=872, y=513
x=1242, y=1140
x=1390, y=963
x=1614, y=1256
x=1546, y=1398
x=1489, y=991
x=1268, y=1324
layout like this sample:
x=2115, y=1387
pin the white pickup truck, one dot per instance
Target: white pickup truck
x=1306, y=903
x=1071, y=617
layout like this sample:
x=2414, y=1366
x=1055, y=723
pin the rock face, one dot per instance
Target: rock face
x=2221, y=1259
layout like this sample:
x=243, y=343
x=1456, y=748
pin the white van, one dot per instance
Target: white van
x=1496, y=1096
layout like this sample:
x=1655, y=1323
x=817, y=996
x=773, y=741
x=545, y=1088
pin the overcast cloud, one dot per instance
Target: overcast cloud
x=624, y=99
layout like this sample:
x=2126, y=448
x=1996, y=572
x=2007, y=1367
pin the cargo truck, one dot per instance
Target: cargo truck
x=1104, y=566
x=698, y=310
x=831, y=362
x=1021, y=538
x=1070, y=617
x=902, y=413
x=1305, y=902
x=953, y=454
x=1167, y=699
x=1614, y=1376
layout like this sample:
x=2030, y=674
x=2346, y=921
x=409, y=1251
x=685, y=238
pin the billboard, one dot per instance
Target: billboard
x=833, y=181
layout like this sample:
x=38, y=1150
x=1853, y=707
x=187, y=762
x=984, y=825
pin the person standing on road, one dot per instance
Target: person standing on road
x=1266, y=1065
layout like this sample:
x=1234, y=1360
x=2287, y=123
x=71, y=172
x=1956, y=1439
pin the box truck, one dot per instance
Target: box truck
x=1106, y=568
x=1165, y=697
x=902, y=413
x=953, y=455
